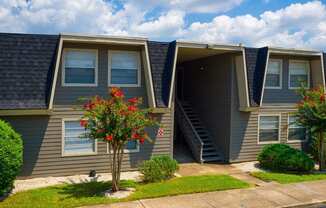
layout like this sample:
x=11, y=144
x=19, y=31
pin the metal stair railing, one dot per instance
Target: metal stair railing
x=191, y=136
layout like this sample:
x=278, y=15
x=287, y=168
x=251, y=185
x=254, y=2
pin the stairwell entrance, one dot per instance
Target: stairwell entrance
x=202, y=103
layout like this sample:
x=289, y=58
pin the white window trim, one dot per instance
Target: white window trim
x=281, y=75
x=110, y=52
x=125, y=150
x=287, y=134
x=279, y=129
x=307, y=62
x=63, y=154
x=64, y=84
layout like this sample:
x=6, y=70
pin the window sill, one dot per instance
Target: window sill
x=79, y=85
x=273, y=88
x=78, y=154
x=124, y=85
x=272, y=142
x=295, y=141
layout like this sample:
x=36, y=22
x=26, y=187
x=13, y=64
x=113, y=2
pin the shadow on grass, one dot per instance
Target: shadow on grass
x=90, y=189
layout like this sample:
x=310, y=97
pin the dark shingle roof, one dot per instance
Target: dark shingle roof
x=255, y=61
x=161, y=55
x=26, y=67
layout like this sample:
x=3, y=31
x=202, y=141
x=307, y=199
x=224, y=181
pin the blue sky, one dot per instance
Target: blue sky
x=285, y=23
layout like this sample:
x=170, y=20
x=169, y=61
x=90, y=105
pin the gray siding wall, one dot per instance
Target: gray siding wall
x=67, y=96
x=42, y=135
x=244, y=128
x=209, y=91
x=284, y=95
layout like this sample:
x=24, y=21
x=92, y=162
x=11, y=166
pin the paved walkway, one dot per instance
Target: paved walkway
x=271, y=195
x=237, y=171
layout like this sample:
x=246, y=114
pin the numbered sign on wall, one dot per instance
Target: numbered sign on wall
x=160, y=132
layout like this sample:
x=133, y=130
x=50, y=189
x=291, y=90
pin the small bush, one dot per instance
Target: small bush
x=11, y=156
x=282, y=157
x=159, y=168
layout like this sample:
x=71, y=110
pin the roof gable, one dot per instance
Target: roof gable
x=161, y=55
x=256, y=59
x=26, y=67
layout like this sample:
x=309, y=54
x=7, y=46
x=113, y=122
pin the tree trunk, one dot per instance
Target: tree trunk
x=120, y=162
x=115, y=186
x=321, y=151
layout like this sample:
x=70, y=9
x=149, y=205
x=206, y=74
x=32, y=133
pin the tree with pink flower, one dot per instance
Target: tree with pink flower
x=116, y=121
x=311, y=114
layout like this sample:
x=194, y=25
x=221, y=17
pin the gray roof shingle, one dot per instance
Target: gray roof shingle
x=256, y=59
x=161, y=55
x=26, y=67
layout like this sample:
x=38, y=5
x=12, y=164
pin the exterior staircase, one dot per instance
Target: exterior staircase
x=208, y=152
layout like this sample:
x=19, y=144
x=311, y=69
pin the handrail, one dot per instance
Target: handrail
x=201, y=143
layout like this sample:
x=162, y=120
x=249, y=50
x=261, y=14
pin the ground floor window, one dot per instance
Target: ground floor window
x=74, y=140
x=295, y=132
x=131, y=146
x=269, y=126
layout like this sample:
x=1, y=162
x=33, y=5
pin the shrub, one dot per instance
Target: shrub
x=282, y=157
x=11, y=156
x=159, y=168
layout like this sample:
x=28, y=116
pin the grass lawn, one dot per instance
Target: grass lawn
x=74, y=195
x=284, y=178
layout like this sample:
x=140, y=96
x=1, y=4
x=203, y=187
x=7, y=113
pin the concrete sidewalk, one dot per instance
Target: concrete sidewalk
x=271, y=195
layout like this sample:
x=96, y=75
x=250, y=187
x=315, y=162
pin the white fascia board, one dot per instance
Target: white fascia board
x=55, y=75
x=193, y=44
x=104, y=39
x=173, y=75
x=306, y=52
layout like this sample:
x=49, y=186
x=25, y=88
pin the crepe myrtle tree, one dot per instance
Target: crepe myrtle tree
x=311, y=114
x=116, y=121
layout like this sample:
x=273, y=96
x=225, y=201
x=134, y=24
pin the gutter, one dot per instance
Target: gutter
x=24, y=112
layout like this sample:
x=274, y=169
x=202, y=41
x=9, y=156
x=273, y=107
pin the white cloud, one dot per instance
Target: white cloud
x=190, y=6
x=169, y=24
x=204, y=6
x=297, y=25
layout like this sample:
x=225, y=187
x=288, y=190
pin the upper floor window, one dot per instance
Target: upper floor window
x=299, y=74
x=124, y=68
x=269, y=128
x=75, y=141
x=80, y=67
x=274, y=74
x=295, y=132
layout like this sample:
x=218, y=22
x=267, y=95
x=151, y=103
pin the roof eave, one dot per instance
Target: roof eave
x=70, y=37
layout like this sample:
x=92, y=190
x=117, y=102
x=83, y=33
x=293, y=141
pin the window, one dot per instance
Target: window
x=274, y=74
x=124, y=68
x=269, y=126
x=298, y=74
x=131, y=146
x=80, y=67
x=295, y=132
x=74, y=140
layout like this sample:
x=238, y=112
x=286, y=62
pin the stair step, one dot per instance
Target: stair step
x=205, y=154
x=211, y=159
x=207, y=149
x=204, y=132
x=208, y=143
